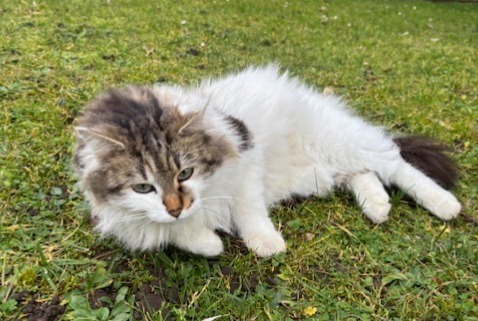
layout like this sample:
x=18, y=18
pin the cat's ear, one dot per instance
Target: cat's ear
x=197, y=117
x=194, y=118
x=88, y=135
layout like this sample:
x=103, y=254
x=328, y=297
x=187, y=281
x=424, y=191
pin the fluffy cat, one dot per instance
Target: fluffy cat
x=166, y=165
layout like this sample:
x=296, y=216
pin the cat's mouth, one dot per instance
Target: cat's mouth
x=165, y=216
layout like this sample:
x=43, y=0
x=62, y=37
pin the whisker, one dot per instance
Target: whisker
x=222, y=197
x=216, y=210
x=128, y=218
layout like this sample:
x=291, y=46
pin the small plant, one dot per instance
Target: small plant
x=119, y=310
x=7, y=307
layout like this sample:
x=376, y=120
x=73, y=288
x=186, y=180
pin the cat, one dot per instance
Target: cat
x=166, y=165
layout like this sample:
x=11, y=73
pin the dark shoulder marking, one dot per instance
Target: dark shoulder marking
x=242, y=131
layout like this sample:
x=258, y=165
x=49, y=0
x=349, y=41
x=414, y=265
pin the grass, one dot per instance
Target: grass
x=409, y=65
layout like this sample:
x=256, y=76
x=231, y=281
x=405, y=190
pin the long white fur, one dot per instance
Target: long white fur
x=304, y=143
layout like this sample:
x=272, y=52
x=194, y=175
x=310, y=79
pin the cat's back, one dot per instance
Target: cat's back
x=282, y=113
x=273, y=104
x=261, y=97
x=253, y=85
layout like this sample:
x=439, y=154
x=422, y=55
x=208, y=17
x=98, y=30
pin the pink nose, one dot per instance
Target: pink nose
x=173, y=204
x=176, y=212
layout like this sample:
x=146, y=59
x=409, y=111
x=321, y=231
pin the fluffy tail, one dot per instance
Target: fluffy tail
x=429, y=157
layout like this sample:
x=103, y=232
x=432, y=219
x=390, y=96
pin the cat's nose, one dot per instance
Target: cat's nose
x=173, y=204
x=176, y=212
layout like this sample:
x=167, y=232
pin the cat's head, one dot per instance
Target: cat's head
x=136, y=152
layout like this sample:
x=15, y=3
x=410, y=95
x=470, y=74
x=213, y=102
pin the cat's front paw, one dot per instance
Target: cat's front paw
x=205, y=243
x=266, y=244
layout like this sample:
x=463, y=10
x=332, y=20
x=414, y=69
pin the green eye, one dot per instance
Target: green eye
x=185, y=174
x=143, y=188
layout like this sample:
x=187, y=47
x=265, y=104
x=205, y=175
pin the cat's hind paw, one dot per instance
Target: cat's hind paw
x=377, y=212
x=266, y=244
x=446, y=207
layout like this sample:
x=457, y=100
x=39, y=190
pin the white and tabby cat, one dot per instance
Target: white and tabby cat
x=170, y=165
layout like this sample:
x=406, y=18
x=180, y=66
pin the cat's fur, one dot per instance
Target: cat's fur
x=252, y=139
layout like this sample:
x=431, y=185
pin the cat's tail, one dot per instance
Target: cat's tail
x=430, y=158
x=425, y=173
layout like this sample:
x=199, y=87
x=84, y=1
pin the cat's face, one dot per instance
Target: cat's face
x=137, y=186
x=137, y=153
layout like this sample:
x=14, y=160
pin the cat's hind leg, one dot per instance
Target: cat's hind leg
x=426, y=192
x=370, y=195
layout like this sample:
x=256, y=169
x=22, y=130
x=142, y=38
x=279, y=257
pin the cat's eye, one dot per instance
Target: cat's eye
x=185, y=174
x=143, y=188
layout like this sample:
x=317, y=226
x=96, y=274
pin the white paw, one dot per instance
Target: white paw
x=377, y=212
x=446, y=208
x=207, y=244
x=266, y=243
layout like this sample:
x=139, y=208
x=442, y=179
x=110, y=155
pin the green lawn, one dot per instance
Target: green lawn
x=409, y=65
